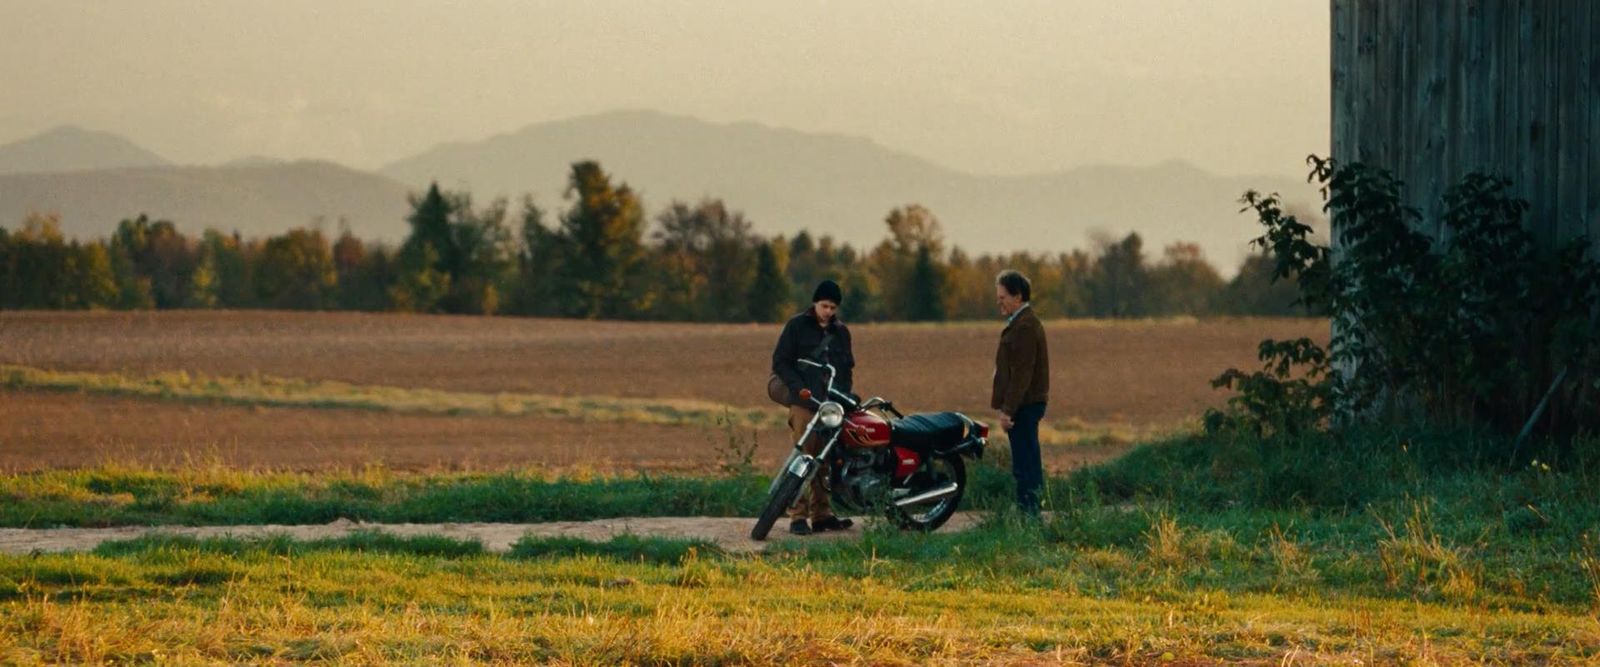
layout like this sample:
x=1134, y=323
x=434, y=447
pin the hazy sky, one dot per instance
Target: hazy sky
x=1235, y=86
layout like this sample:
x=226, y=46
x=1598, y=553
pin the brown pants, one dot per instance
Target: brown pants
x=813, y=502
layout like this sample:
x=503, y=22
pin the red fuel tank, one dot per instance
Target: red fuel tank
x=864, y=429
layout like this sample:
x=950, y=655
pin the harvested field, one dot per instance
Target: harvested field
x=1140, y=372
x=43, y=430
x=51, y=430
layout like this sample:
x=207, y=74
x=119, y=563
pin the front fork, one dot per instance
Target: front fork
x=801, y=464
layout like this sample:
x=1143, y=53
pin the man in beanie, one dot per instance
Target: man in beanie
x=818, y=335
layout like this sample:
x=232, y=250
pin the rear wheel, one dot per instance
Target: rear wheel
x=938, y=472
x=778, y=501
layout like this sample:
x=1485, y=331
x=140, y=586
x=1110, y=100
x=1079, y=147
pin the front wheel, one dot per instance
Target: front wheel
x=939, y=472
x=778, y=501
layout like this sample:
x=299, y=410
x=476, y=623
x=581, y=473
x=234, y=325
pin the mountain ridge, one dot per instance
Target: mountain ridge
x=255, y=200
x=783, y=179
x=72, y=148
x=843, y=186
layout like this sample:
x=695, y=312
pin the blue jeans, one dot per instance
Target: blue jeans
x=1025, y=463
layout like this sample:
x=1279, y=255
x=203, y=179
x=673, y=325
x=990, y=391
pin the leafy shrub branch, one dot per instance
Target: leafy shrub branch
x=1461, y=320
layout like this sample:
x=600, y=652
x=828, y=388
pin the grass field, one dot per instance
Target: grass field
x=1374, y=548
x=374, y=601
x=1154, y=559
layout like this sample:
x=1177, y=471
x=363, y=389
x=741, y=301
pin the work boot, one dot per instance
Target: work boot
x=832, y=523
x=800, y=527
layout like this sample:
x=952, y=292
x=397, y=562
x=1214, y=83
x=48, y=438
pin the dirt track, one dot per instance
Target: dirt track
x=732, y=534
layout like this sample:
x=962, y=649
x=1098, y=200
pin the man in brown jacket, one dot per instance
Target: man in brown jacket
x=1021, y=384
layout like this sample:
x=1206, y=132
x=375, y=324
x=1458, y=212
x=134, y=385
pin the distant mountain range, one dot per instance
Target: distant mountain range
x=253, y=200
x=69, y=148
x=784, y=180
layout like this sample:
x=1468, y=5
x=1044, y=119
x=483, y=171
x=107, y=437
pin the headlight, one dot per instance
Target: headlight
x=831, y=414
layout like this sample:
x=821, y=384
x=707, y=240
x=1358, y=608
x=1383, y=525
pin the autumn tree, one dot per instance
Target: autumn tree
x=601, y=261
x=296, y=271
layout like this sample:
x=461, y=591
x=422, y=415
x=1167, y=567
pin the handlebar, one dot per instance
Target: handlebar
x=848, y=400
x=832, y=373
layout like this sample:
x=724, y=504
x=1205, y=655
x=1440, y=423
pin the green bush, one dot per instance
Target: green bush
x=1473, y=327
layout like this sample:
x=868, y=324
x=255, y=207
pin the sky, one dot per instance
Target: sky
x=997, y=87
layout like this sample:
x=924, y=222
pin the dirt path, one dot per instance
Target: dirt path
x=732, y=534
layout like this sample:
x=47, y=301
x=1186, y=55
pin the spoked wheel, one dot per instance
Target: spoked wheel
x=939, y=472
x=779, y=500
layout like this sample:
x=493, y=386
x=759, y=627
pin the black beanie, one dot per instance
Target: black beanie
x=828, y=291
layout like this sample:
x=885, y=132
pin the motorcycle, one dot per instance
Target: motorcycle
x=909, y=467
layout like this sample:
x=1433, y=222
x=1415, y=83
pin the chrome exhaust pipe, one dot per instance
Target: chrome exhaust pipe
x=936, y=494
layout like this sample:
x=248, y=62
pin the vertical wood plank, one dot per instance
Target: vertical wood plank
x=1551, y=149
x=1367, y=127
x=1568, y=51
x=1435, y=89
x=1342, y=59
x=1450, y=36
x=1526, y=84
x=1591, y=108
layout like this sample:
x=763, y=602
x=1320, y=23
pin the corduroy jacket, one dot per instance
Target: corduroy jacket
x=1021, y=365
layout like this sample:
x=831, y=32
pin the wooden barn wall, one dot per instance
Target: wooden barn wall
x=1436, y=89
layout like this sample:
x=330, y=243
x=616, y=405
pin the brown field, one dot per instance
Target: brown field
x=1135, y=373
x=42, y=430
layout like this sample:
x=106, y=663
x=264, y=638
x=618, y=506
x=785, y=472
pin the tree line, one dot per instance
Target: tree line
x=601, y=258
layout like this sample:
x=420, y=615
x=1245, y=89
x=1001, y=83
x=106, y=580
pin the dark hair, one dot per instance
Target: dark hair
x=1015, y=283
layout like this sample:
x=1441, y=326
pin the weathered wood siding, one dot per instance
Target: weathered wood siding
x=1436, y=89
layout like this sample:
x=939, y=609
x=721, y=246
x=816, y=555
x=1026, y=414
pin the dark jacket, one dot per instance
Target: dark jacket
x=802, y=337
x=1021, y=365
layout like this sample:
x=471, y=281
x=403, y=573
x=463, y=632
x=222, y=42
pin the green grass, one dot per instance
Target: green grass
x=359, y=541
x=627, y=548
x=127, y=496
x=1383, y=547
x=1101, y=585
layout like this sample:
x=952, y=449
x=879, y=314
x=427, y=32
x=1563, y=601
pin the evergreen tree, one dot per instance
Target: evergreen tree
x=9, y=277
x=430, y=219
x=537, y=264
x=859, y=299
x=769, y=290
x=601, y=267
x=1120, y=281
x=456, y=259
x=154, y=263
x=925, y=294
x=485, y=257
x=230, y=260
x=419, y=287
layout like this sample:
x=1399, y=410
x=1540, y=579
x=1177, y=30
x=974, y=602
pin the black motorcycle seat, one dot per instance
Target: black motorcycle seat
x=929, y=430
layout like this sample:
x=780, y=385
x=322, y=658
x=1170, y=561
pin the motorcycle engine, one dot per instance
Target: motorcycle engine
x=862, y=482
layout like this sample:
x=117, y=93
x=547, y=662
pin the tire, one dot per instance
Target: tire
x=778, y=475
x=930, y=521
x=777, y=502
